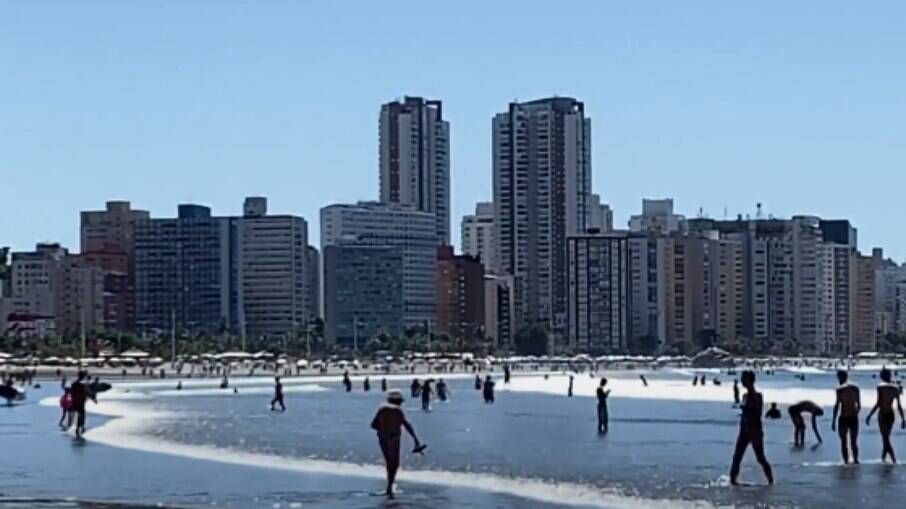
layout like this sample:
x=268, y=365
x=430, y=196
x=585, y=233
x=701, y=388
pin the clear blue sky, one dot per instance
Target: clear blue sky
x=800, y=105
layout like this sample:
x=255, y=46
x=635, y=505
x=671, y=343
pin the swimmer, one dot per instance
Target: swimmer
x=887, y=394
x=388, y=423
x=796, y=412
x=750, y=430
x=847, y=406
x=773, y=413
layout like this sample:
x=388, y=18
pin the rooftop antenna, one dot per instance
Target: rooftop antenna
x=725, y=211
x=701, y=212
x=758, y=210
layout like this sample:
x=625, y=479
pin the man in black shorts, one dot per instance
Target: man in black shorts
x=887, y=394
x=750, y=430
x=388, y=423
x=796, y=412
x=848, y=406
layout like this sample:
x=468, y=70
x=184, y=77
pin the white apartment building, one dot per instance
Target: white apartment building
x=477, y=236
x=273, y=275
x=415, y=159
x=542, y=183
x=377, y=224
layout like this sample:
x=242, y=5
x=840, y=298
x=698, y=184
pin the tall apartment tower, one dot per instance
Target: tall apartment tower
x=108, y=242
x=542, y=183
x=273, y=272
x=415, y=159
x=477, y=236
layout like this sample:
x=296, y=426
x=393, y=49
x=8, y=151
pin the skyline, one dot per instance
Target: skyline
x=803, y=98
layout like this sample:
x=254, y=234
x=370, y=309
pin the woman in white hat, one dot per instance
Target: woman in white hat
x=388, y=422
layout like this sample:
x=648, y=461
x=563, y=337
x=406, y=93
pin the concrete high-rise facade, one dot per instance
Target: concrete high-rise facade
x=657, y=218
x=186, y=272
x=108, y=242
x=542, y=183
x=51, y=285
x=477, y=236
x=460, y=294
x=363, y=292
x=273, y=275
x=500, y=310
x=415, y=159
x=314, y=282
x=600, y=216
x=377, y=224
x=600, y=293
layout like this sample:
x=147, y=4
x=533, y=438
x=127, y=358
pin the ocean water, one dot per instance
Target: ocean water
x=669, y=446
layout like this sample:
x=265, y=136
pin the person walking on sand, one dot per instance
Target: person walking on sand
x=278, y=395
x=603, y=418
x=847, y=406
x=751, y=431
x=887, y=394
x=569, y=390
x=388, y=422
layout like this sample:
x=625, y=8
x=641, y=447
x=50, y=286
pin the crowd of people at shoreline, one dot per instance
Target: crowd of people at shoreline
x=390, y=420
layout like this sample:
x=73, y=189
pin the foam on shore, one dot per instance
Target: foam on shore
x=675, y=390
x=129, y=423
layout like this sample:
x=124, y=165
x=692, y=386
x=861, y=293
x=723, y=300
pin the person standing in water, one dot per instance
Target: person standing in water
x=388, y=423
x=603, y=418
x=80, y=395
x=278, y=395
x=847, y=406
x=442, y=390
x=735, y=393
x=477, y=383
x=569, y=390
x=426, y=394
x=66, y=405
x=488, y=390
x=416, y=388
x=750, y=430
x=347, y=383
x=366, y=385
x=383, y=385
x=506, y=373
x=796, y=412
x=887, y=394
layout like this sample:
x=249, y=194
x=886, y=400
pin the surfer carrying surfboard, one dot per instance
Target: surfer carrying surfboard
x=80, y=395
x=388, y=423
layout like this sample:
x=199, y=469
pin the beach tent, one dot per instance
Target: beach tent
x=135, y=354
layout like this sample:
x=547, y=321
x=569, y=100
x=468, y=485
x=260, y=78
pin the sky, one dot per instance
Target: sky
x=719, y=105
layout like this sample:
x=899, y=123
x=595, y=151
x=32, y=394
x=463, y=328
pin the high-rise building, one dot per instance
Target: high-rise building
x=657, y=218
x=415, y=159
x=314, y=282
x=363, y=292
x=51, y=285
x=477, y=236
x=542, y=183
x=273, y=275
x=600, y=216
x=108, y=242
x=460, y=294
x=376, y=224
x=500, y=310
x=863, y=324
x=600, y=293
x=186, y=272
